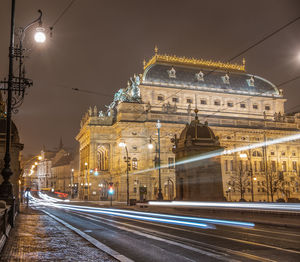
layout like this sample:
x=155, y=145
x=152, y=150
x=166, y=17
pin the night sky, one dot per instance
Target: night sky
x=97, y=45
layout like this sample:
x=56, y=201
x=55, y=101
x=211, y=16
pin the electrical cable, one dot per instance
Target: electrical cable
x=61, y=15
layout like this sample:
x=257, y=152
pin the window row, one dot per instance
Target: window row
x=283, y=153
x=200, y=76
x=217, y=102
x=259, y=166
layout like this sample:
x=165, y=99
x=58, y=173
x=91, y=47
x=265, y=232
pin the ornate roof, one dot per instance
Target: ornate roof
x=196, y=135
x=172, y=71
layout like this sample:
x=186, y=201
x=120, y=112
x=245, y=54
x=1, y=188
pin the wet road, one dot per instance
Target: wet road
x=148, y=240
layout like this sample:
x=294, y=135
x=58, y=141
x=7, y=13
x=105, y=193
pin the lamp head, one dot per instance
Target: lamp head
x=40, y=36
x=243, y=155
x=122, y=144
x=158, y=124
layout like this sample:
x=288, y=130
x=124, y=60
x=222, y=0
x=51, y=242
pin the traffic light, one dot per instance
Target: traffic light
x=111, y=189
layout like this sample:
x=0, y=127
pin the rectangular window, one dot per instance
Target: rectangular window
x=134, y=164
x=171, y=163
x=294, y=166
x=230, y=104
x=255, y=106
x=243, y=105
x=175, y=99
x=273, y=166
x=217, y=103
x=203, y=102
x=231, y=165
x=267, y=107
x=255, y=166
x=189, y=101
x=226, y=165
x=160, y=98
x=284, y=166
x=261, y=166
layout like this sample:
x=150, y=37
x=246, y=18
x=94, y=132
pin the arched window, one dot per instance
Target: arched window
x=102, y=158
x=256, y=154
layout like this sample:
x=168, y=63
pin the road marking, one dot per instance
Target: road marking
x=92, y=240
x=223, y=237
x=207, y=246
x=203, y=252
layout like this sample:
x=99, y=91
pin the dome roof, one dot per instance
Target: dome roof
x=208, y=80
x=198, y=132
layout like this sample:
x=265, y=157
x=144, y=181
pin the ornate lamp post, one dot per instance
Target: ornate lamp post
x=244, y=156
x=157, y=160
x=72, y=182
x=15, y=88
x=86, y=182
x=127, y=159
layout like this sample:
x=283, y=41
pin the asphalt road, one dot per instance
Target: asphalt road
x=147, y=240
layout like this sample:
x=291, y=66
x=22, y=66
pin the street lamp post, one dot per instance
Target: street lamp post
x=13, y=86
x=86, y=182
x=159, y=196
x=244, y=155
x=72, y=182
x=157, y=160
x=127, y=170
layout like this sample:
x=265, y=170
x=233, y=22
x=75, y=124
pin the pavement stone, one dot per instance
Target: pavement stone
x=38, y=237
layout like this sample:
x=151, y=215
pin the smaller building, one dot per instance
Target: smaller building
x=199, y=178
x=53, y=170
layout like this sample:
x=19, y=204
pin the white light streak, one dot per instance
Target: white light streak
x=226, y=152
x=156, y=217
x=263, y=206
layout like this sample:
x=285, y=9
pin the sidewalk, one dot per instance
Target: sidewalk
x=38, y=237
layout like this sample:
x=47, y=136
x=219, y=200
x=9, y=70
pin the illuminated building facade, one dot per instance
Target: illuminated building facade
x=240, y=108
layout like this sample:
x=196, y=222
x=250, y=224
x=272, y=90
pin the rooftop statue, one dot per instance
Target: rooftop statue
x=134, y=89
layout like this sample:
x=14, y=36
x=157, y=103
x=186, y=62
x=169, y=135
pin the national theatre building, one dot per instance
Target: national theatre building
x=241, y=109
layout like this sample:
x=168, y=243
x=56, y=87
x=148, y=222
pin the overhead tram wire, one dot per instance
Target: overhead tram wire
x=281, y=84
x=234, y=57
x=247, y=49
x=61, y=15
x=288, y=81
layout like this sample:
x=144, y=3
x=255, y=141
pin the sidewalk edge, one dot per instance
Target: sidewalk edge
x=92, y=240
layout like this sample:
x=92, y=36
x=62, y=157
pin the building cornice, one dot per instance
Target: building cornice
x=177, y=60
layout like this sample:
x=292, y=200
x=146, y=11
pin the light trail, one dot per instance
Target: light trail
x=225, y=152
x=264, y=206
x=156, y=217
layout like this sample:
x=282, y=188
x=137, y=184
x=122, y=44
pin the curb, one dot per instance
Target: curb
x=92, y=240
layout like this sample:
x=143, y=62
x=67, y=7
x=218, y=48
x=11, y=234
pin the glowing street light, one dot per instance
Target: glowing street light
x=15, y=88
x=40, y=36
x=150, y=146
x=243, y=155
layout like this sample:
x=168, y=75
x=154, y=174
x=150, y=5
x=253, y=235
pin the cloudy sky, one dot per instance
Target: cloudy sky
x=98, y=44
